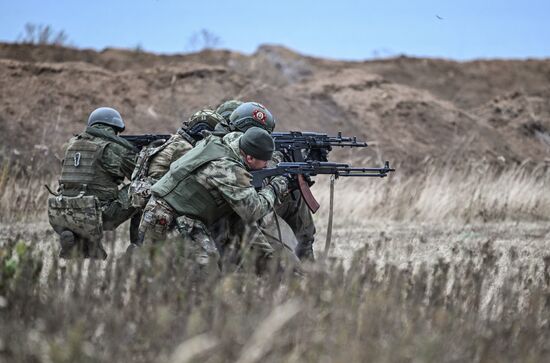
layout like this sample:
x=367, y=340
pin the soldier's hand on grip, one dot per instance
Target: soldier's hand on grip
x=280, y=185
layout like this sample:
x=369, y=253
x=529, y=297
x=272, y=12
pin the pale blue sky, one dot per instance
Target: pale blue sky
x=343, y=29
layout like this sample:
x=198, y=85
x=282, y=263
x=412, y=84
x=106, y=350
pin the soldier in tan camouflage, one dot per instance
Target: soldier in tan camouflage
x=211, y=182
x=89, y=199
x=154, y=162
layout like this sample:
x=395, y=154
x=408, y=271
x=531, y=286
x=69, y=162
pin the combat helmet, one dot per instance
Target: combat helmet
x=251, y=114
x=107, y=116
x=201, y=120
x=225, y=109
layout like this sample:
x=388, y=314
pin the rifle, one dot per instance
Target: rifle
x=140, y=141
x=311, y=168
x=311, y=146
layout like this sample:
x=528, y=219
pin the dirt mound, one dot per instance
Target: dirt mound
x=410, y=110
x=523, y=118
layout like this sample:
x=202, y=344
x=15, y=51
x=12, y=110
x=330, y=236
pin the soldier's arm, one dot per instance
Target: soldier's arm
x=180, y=149
x=233, y=183
x=160, y=163
x=118, y=161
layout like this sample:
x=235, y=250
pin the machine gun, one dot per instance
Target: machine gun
x=302, y=170
x=298, y=146
x=140, y=141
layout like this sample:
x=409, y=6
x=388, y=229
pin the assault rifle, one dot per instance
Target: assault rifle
x=301, y=170
x=140, y=141
x=298, y=146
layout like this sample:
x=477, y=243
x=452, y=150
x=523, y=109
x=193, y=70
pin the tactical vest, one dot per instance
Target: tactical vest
x=185, y=194
x=82, y=170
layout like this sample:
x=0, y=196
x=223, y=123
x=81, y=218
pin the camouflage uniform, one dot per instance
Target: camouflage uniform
x=208, y=183
x=90, y=201
x=292, y=209
x=153, y=163
x=178, y=145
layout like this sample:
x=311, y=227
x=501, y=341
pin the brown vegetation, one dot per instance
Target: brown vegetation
x=444, y=261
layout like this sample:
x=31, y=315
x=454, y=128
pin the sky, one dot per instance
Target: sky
x=343, y=29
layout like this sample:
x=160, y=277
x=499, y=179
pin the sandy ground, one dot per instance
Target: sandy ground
x=398, y=243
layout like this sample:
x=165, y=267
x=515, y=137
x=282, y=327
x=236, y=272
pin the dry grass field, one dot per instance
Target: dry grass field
x=449, y=265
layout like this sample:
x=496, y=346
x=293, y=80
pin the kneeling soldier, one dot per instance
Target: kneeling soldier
x=154, y=162
x=89, y=199
x=210, y=182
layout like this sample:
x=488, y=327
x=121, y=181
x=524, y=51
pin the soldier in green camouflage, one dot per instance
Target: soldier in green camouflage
x=89, y=200
x=154, y=162
x=211, y=182
x=292, y=209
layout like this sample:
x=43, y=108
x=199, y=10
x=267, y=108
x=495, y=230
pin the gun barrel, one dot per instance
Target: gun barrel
x=316, y=139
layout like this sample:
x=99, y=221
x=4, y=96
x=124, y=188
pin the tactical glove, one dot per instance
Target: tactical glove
x=279, y=185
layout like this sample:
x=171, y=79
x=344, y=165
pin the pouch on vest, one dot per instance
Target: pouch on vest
x=80, y=214
x=140, y=187
x=140, y=192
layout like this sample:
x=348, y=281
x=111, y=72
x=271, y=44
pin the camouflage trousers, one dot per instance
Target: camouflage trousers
x=118, y=211
x=296, y=213
x=199, y=241
x=157, y=220
x=87, y=218
x=266, y=245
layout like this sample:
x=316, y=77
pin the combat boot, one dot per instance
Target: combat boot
x=94, y=250
x=304, y=251
x=67, y=242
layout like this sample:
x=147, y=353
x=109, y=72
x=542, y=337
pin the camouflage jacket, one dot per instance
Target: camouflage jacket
x=176, y=148
x=226, y=180
x=231, y=181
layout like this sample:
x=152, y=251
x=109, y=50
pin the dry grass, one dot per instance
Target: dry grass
x=449, y=266
x=480, y=194
x=443, y=195
x=376, y=310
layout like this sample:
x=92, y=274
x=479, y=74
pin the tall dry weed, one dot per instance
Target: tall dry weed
x=442, y=195
x=437, y=195
x=153, y=308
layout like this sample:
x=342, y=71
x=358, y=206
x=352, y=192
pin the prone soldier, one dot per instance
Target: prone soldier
x=88, y=200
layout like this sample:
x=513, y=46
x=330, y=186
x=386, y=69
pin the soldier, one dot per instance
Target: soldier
x=225, y=109
x=211, y=182
x=154, y=162
x=292, y=209
x=89, y=199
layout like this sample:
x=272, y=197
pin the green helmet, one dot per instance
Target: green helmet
x=107, y=116
x=225, y=109
x=251, y=114
x=204, y=119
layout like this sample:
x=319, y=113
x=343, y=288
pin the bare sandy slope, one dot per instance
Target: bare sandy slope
x=411, y=110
